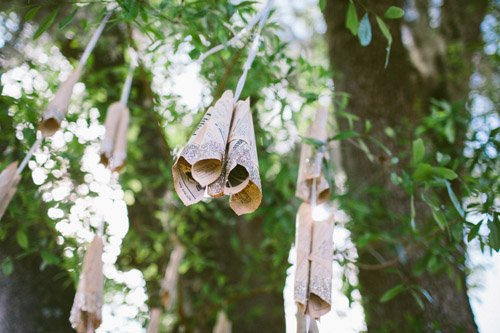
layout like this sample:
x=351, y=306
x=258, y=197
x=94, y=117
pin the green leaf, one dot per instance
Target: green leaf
x=365, y=31
x=367, y=151
x=391, y=293
x=444, y=173
x=313, y=142
x=449, y=131
x=351, y=21
x=68, y=19
x=50, y=258
x=394, y=13
x=494, y=235
x=322, y=5
x=454, y=199
x=46, y=23
x=131, y=10
x=413, y=214
x=7, y=266
x=423, y=172
x=22, y=239
x=345, y=135
x=436, y=213
x=387, y=34
x=31, y=13
x=474, y=231
x=418, y=150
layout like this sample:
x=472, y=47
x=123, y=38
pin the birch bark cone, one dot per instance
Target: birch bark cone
x=120, y=147
x=8, y=186
x=169, y=283
x=311, y=159
x=222, y=324
x=313, y=274
x=57, y=108
x=154, y=321
x=200, y=162
x=86, y=311
x=242, y=180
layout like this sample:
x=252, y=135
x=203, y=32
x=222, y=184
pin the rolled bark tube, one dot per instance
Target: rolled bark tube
x=9, y=179
x=120, y=147
x=57, y=108
x=311, y=159
x=111, y=124
x=242, y=180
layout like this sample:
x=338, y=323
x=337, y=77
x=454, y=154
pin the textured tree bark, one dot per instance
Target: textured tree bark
x=398, y=97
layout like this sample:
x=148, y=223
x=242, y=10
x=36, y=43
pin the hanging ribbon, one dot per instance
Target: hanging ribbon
x=222, y=324
x=169, y=283
x=57, y=108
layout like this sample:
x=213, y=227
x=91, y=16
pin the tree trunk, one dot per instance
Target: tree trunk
x=398, y=97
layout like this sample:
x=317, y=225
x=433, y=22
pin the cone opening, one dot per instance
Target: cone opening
x=206, y=171
x=323, y=196
x=237, y=179
x=49, y=126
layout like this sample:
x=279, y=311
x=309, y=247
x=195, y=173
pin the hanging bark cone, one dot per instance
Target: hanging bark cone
x=57, y=108
x=8, y=186
x=86, y=311
x=311, y=159
x=154, y=321
x=222, y=324
x=114, y=145
x=242, y=179
x=169, y=283
x=313, y=274
x=200, y=162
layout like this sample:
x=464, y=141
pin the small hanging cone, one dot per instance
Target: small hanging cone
x=120, y=147
x=302, y=323
x=201, y=160
x=57, y=108
x=242, y=180
x=86, y=311
x=313, y=275
x=311, y=159
x=169, y=283
x=222, y=325
x=8, y=186
x=154, y=322
x=112, y=122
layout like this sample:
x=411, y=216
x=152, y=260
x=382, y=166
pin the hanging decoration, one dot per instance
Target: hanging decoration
x=114, y=145
x=311, y=161
x=314, y=243
x=9, y=178
x=221, y=156
x=86, y=311
x=154, y=321
x=222, y=324
x=169, y=283
x=57, y=108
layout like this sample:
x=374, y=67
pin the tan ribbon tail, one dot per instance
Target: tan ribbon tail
x=111, y=124
x=169, y=283
x=86, y=310
x=120, y=147
x=321, y=258
x=154, y=321
x=57, y=108
x=311, y=159
x=207, y=163
x=242, y=169
x=303, y=236
x=9, y=180
x=222, y=324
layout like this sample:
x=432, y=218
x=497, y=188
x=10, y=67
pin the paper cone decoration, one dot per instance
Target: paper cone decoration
x=313, y=275
x=311, y=160
x=201, y=161
x=8, y=186
x=303, y=323
x=242, y=180
x=114, y=145
x=57, y=108
x=154, y=321
x=169, y=283
x=86, y=311
x=222, y=325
